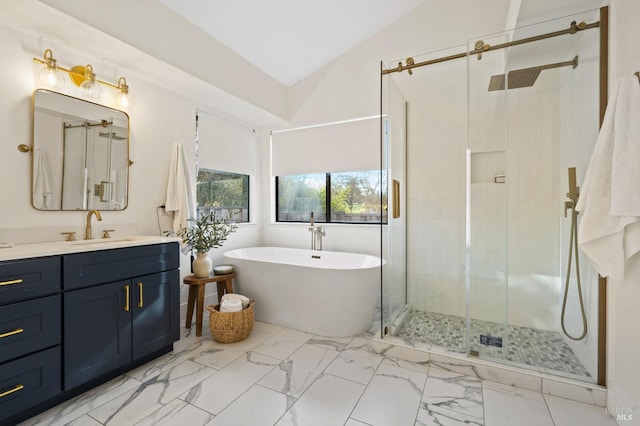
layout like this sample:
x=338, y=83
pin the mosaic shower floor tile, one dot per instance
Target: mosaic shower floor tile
x=525, y=345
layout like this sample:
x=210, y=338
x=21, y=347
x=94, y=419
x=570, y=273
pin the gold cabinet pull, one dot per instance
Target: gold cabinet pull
x=12, y=333
x=11, y=282
x=10, y=391
x=126, y=298
x=140, y=302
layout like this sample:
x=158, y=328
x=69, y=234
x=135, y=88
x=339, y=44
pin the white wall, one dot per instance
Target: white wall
x=623, y=333
x=349, y=88
x=159, y=117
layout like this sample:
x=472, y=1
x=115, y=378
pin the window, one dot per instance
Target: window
x=346, y=197
x=226, y=193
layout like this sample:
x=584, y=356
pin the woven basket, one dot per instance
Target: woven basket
x=230, y=327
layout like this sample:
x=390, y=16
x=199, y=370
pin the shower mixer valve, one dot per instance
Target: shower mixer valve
x=568, y=205
x=574, y=191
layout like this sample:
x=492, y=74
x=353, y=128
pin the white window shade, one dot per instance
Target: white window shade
x=226, y=146
x=341, y=147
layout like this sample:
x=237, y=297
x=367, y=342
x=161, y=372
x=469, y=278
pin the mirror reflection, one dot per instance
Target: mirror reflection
x=80, y=154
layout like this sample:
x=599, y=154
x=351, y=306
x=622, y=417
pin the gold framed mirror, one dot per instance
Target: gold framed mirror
x=80, y=154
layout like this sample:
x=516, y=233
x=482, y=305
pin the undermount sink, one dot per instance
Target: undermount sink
x=104, y=241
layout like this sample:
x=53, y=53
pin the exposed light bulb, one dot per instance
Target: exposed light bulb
x=122, y=99
x=91, y=89
x=51, y=78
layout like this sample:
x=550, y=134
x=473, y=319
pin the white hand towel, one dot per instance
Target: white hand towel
x=180, y=192
x=241, y=298
x=41, y=181
x=609, y=231
x=180, y=197
x=232, y=305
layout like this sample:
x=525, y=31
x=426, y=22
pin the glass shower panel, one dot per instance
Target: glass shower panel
x=430, y=296
x=533, y=116
x=393, y=233
x=487, y=183
x=553, y=125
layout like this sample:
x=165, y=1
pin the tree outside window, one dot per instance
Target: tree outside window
x=225, y=193
x=348, y=197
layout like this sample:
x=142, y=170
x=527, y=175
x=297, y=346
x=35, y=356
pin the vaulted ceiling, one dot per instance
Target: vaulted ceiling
x=289, y=39
x=254, y=51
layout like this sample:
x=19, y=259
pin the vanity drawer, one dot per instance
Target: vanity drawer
x=29, y=381
x=103, y=266
x=29, y=278
x=27, y=327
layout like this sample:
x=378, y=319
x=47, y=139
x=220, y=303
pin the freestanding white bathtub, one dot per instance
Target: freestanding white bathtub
x=321, y=292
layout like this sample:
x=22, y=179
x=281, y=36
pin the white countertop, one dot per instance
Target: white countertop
x=29, y=250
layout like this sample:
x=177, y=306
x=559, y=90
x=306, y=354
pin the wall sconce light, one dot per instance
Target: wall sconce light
x=122, y=98
x=51, y=77
x=85, y=79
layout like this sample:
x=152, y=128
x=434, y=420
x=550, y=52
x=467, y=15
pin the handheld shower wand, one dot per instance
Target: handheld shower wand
x=570, y=204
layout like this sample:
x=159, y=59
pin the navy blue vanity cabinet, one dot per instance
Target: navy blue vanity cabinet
x=120, y=305
x=155, y=312
x=97, y=332
x=30, y=334
x=29, y=278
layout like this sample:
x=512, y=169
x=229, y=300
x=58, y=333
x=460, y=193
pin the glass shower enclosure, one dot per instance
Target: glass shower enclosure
x=483, y=151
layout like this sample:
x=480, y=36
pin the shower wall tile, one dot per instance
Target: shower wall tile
x=533, y=227
x=436, y=170
x=526, y=228
x=542, y=131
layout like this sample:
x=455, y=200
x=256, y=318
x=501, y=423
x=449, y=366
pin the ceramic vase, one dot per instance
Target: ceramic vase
x=202, y=265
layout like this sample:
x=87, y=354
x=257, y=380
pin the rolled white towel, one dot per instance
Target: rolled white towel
x=233, y=305
x=233, y=296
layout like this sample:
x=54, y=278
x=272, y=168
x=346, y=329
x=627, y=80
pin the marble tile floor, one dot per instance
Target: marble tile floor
x=280, y=376
x=528, y=346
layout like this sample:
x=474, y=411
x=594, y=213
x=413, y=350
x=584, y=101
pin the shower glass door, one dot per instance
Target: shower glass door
x=533, y=114
x=487, y=209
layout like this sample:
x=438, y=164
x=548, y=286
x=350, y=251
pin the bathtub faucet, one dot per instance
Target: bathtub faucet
x=317, y=232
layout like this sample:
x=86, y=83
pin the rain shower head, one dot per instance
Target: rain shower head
x=111, y=135
x=525, y=77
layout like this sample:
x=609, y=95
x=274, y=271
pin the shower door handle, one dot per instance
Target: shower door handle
x=395, y=199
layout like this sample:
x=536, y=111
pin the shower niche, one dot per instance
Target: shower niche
x=490, y=136
x=488, y=167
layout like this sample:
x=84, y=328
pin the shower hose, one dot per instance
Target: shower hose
x=573, y=243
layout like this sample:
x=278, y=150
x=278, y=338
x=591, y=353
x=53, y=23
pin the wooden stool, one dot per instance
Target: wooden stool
x=196, y=293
